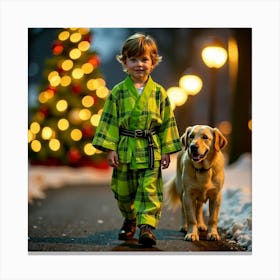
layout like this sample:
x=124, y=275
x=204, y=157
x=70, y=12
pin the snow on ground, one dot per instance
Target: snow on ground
x=236, y=209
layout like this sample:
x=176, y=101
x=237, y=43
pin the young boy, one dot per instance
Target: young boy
x=138, y=130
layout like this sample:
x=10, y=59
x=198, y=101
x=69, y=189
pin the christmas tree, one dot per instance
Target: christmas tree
x=70, y=102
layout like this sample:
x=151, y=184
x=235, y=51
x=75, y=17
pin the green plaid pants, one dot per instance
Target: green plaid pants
x=138, y=193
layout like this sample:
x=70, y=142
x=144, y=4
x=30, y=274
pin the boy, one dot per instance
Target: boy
x=138, y=130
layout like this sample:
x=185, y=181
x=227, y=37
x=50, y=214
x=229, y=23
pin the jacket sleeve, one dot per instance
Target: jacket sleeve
x=107, y=133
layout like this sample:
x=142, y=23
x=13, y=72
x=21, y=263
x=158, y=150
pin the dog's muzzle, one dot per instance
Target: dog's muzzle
x=195, y=155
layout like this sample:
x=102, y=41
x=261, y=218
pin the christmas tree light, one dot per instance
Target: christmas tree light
x=70, y=101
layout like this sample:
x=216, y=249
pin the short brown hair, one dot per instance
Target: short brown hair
x=138, y=44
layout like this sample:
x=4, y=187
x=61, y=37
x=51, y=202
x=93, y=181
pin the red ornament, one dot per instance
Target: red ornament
x=57, y=48
x=87, y=131
x=77, y=88
x=87, y=38
x=53, y=89
x=73, y=155
x=44, y=111
x=95, y=60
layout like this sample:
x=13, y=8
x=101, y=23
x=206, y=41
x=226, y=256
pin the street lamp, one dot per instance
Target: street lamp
x=177, y=96
x=192, y=84
x=214, y=55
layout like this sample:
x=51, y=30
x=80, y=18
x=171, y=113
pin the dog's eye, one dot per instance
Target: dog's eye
x=205, y=137
x=191, y=136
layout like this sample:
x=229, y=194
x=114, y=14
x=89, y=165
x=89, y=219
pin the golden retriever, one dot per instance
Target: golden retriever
x=199, y=177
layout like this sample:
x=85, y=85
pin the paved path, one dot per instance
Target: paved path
x=86, y=219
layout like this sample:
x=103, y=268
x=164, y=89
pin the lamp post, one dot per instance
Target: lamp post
x=214, y=55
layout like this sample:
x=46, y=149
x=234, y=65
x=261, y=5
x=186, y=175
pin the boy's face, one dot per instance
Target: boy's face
x=139, y=67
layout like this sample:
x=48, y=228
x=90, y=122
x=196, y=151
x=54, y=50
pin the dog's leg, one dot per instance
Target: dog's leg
x=199, y=216
x=190, y=204
x=214, y=208
x=184, y=224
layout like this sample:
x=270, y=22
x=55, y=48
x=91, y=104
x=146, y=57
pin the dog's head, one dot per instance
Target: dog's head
x=202, y=140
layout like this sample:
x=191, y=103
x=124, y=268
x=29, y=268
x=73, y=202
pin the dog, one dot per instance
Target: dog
x=199, y=177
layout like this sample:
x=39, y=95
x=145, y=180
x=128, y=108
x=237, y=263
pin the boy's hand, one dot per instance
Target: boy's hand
x=113, y=159
x=165, y=160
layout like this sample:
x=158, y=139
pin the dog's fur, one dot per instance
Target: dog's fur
x=199, y=177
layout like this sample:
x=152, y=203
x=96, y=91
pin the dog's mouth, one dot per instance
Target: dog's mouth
x=195, y=156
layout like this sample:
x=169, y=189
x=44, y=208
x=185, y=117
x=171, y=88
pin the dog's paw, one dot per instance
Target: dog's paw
x=202, y=227
x=213, y=236
x=193, y=236
x=184, y=229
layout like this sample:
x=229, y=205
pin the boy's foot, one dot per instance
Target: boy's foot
x=147, y=236
x=127, y=230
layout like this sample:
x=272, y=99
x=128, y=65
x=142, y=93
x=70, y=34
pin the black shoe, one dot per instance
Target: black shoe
x=147, y=237
x=127, y=230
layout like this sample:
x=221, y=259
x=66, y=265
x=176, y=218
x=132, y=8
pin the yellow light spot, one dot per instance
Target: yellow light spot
x=84, y=31
x=84, y=46
x=89, y=149
x=35, y=127
x=44, y=96
x=88, y=101
x=74, y=116
x=250, y=124
x=52, y=74
x=75, y=37
x=87, y=68
x=95, y=119
x=102, y=92
x=92, y=84
x=77, y=73
x=84, y=114
x=55, y=81
x=65, y=81
x=36, y=146
x=101, y=82
x=61, y=105
x=177, y=96
x=63, y=124
x=47, y=133
x=75, y=53
x=76, y=134
x=64, y=35
x=31, y=136
x=192, y=84
x=54, y=144
x=214, y=56
x=67, y=64
x=225, y=127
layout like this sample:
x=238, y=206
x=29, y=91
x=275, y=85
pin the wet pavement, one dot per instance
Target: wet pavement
x=85, y=218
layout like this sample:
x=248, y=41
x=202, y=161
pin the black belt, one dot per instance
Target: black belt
x=148, y=134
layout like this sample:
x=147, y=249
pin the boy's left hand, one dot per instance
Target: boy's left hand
x=165, y=160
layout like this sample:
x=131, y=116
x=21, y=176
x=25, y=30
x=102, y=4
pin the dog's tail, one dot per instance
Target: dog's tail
x=171, y=196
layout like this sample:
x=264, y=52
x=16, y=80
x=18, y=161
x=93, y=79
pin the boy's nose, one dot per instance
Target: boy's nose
x=139, y=62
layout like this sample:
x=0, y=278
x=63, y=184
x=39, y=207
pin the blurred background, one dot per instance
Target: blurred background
x=207, y=74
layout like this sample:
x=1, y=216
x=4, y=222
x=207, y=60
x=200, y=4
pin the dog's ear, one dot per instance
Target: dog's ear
x=219, y=139
x=184, y=137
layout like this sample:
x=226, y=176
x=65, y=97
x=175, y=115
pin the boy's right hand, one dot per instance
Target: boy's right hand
x=113, y=159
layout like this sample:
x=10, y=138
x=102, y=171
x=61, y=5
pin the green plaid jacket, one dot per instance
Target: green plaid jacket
x=126, y=108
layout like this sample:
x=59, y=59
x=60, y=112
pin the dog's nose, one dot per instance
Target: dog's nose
x=194, y=148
